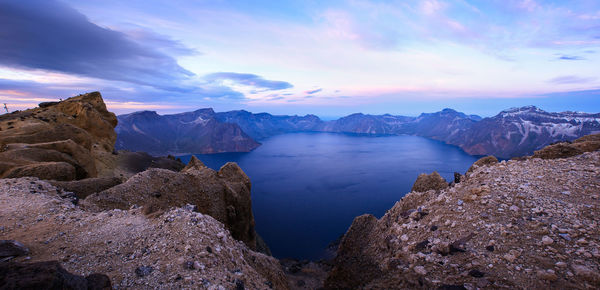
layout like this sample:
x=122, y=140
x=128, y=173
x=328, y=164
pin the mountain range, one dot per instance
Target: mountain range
x=512, y=132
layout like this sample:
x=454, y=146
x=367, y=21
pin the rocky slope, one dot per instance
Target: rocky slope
x=185, y=133
x=63, y=140
x=518, y=224
x=224, y=195
x=176, y=249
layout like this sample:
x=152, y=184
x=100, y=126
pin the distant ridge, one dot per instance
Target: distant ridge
x=512, y=132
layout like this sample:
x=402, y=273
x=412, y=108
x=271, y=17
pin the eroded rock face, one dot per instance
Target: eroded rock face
x=224, y=195
x=60, y=141
x=427, y=182
x=179, y=249
x=506, y=223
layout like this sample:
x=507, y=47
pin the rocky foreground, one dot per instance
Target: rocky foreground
x=519, y=224
x=179, y=248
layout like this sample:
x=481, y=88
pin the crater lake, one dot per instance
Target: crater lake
x=308, y=187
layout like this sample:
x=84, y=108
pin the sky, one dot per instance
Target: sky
x=329, y=58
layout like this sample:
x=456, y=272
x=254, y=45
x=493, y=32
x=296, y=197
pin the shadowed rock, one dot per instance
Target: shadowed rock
x=47, y=275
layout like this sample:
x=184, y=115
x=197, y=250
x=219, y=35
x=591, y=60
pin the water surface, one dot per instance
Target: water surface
x=308, y=187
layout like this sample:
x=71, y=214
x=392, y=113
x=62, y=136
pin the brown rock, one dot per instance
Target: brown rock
x=485, y=161
x=427, y=182
x=194, y=164
x=560, y=150
x=70, y=131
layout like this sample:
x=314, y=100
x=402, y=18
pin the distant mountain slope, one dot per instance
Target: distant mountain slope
x=263, y=125
x=520, y=131
x=513, y=132
x=191, y=132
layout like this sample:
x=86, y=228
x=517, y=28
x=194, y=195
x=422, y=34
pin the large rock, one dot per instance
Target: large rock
x=71, y=134
x=484, y=161
x=427, y=182
x=224, y=195
x=48, y=275
x=588, y=143
x=350, y=272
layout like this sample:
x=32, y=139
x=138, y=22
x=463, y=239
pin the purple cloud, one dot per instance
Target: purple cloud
x=248, y=80
x=49, y=35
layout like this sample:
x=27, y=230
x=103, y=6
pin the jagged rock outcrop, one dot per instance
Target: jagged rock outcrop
x=427, y=182
x=567, y=149
x=224, y=195
x=518, y=224
x=177, y=249
x=48, y=275
x=62, y=140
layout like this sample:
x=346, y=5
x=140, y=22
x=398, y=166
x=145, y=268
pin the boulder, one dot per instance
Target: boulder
x=224, y=195
x=427, y=182
x=47, y=275
x=485, y=161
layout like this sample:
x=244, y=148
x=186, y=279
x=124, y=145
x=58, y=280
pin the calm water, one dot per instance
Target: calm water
x=308, y=187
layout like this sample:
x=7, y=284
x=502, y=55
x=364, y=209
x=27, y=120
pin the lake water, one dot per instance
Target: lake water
x=308, y=187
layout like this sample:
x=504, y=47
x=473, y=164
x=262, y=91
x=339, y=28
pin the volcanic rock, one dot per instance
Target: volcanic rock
x=224, y=195
x=428, y=182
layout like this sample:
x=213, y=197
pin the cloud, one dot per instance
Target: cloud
x=570, y=79
x=49, y=35
x=570, y=57
x=313, y=91
x=251, y=80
